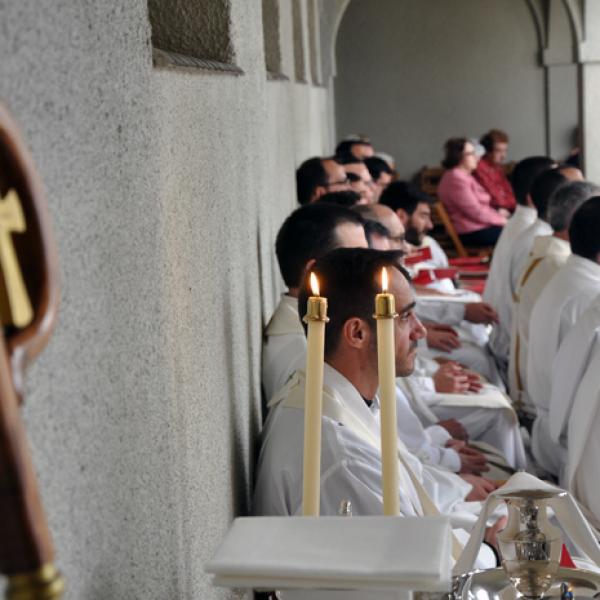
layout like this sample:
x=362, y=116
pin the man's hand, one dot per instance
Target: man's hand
x=451, y=379
x=491, y=533
x=480, y=312
x=482, y=487
x=455, y=444
x=455, y=428
x=475, y=383
x=472, y=461
x=442, y=337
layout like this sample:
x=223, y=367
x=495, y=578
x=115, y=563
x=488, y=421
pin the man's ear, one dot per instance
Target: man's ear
x=307, y=269
x=356, y=333
x=319, y=191
x=402, y=215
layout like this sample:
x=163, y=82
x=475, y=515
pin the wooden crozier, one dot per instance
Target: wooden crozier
x=28, y=307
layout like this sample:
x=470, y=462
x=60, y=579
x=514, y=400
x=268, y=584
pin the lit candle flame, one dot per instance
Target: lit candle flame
x=314, y=284
x=384, y=280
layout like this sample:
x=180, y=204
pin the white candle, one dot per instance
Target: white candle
x=315, y=318
x=385, y=313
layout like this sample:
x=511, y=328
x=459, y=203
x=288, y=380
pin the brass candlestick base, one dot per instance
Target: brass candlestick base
x=44, y=584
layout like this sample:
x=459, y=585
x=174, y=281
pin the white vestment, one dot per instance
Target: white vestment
x=497, y=291
x=487, y=416
x=284, y=346
x=473, y=337
x=351, y=432
x=284, y=352
x=548, y=254
x=350, y=460
x=582, y=474
x=426, y=443
x=566, y=296
x=438, y=259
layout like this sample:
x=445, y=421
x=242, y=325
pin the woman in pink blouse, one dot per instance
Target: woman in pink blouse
x=467, y=202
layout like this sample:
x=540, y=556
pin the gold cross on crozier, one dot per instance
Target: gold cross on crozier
x=15, y=306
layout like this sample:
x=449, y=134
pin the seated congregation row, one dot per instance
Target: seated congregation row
x=459, y=435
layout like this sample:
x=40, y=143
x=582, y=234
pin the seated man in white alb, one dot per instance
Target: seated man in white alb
x=456, y=330
x=575, y=410
x=486, y=418
x=544, y=186
x=307, y=234
x=351, y=442
x=497, y=288
x=562, y=301
x=548, y=254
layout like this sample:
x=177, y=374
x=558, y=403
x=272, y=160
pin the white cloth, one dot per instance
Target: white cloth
x=473, y=337
x=570, y=364
x=582, y=475
x=350, y=460
x=566, y=296
x=522, y=248
x=548, y=254
x=574, y=421
x=313, y=554
x=427, y=444
x=497, y=291
x=284, y=346
x=438, y=260
x=487, y=416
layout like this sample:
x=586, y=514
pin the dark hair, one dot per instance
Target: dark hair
x=566, y=200
x=309, y=176
x=346, y=198
x=377, y=166
x=584, y=228
x=493, y=137
x=404, y=195
x=542, y=188
x=453, y=148
x=349, y=159
x=372, y=228
x=349, y=279
x=525, y=172
x=309, y=232
x=344, y=148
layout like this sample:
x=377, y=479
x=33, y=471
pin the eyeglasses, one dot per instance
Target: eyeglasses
x=398, y=238
x=472, y=153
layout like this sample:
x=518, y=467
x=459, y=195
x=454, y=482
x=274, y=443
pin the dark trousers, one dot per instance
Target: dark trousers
x=483, y=237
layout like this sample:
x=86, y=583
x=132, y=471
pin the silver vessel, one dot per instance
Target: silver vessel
x=493, y=584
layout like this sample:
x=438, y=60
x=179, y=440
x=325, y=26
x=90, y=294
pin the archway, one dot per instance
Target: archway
x=411, y=74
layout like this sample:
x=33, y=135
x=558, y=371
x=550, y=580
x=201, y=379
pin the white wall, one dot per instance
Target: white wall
x=411, y=74
x=166, y=189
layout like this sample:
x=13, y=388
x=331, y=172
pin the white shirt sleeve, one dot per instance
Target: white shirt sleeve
x=449, y=313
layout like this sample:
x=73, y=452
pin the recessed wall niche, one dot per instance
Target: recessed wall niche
x=192, y=33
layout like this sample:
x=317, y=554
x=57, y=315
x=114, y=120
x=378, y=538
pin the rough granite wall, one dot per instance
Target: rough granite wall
x=166, y=188
x=412, y=74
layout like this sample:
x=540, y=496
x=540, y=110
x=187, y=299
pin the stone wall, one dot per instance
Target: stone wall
x=166, y=187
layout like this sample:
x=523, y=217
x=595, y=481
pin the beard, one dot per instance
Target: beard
x=407, y=366
x=413, y=236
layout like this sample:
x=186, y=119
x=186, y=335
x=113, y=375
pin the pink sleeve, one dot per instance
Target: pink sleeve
x=469, y=208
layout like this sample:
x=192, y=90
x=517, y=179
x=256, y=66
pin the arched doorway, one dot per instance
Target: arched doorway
x=411, y=74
